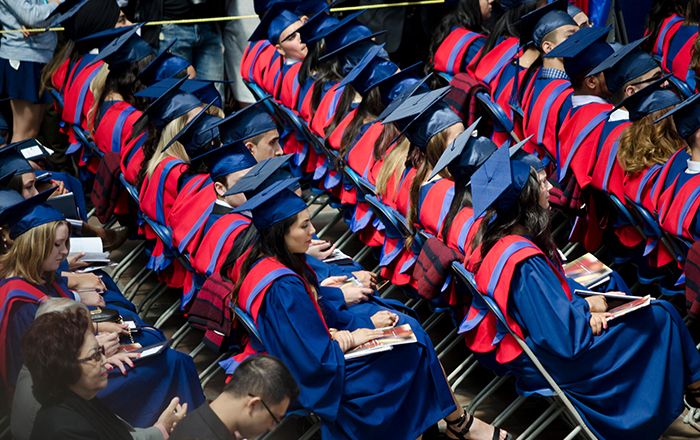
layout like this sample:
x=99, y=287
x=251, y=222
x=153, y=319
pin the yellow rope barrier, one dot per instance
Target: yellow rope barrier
x=243, y=17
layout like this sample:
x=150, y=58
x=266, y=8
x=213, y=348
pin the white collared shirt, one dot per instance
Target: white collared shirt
x=579, y=100
x=693, y=167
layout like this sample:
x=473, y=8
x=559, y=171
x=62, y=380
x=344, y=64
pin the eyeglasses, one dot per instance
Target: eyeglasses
x=98, y=354
x=274, y=417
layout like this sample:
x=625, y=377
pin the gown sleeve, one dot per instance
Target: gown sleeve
x=337, y=313
x=541, y=307
x=292, y=330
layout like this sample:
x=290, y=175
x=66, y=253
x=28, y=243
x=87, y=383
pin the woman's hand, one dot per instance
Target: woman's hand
x=92, y=299
x=385, y=319
x=362, y=335
x=335, y=281
x=74, y=262
x=110, y=341
x=118, y=360
x=111, y=327
x=599, y=322
x=86, y=281
x=50, y=184
x=367, y=278
x=172, y=414
x=320, y=249
x=344, y=339
x=355, y=294
x=597, y=304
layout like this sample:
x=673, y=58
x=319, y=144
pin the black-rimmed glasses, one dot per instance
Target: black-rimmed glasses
x=98, y=354
x=274, y=417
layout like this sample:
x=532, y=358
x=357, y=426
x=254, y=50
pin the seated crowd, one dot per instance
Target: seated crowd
x=535, y=114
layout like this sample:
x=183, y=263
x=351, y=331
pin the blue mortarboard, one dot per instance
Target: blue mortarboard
x=8, y=199
x=12, y=160
x=423, y=116
x=538, y=23
x=417, y=88
x=317, y=23
x=573, y=10
x=583, y=51
x=392, y=87
x=170, y=102
x=64, y=11
x=198, y=134
x=30, y=213
x=276, y=203
x=625, y=64
x=344, y=35
x=465, y=154
x=5, y=179
x=203, y=89
x=31, y=149
x=498, y=182
x=528, y=158
x=311, y=7
x=510, y=4
x=262, y=6
x=101, y=39
x=650, y=99
x=245, y=124
x=263, y=175
x=165, y=65
x=278, y=17
x=370, y=71
x=686, y=116
x=227, y=159
x=124, y=50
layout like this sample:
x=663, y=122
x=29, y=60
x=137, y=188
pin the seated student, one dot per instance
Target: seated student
x=515, y=262
x=68, y=369
x=674, y=194
x=334, y=388
x=663, y=16
x=644, y=147
x=546, y=100
x=459, y=37
x=253, y=402
x=25, y=406
x=675, y=41
x=25, y=284
x=578, y=15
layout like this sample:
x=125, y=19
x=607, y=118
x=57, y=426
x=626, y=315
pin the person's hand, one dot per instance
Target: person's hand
x=355, y=294
x=597, y=304
x=118, y=360
x=172, y=415
x=86, y=281
x=334, y=281
x=92, y=298
x=320, y=249
x=344, y=339
x=362, y=335
x=599, y=322
x=74, y=262
x=58, y=192
x=24, y=33
x=385, y=318
x=367, y=278
x=111, y=327
x=110, y=341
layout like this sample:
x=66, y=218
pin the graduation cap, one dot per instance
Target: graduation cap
x=529, y=159
x=12, y=160
x=423, y=116
x=165, y=65
x=5, y=179
x=344, y=34
x=498, y=183
x=650, y=99
x=573, y=10
x=170, y=102
x=465, y=154
x=245, y=124
x=320, y=21
x=262, y=175
x=101, y=39
x=625, y=64
x=203, y=89
x=538, y=23
x=510, y=4
x=391, y=88
x=311, y=7
x=262, y=6
x=278, y=17
x=8, y=199
x=127, y=49
x=583, y=51
x=227, y=159
x=28, y=213
x=198, y=133
x=686, y=116
x=64, y=11
x=32, y=149
x=370, y=71
x=414, y=89
x=274, y=204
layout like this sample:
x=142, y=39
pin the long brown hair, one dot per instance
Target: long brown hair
x=29, y=251
x=644, y=143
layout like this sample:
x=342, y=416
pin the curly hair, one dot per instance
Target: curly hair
x=644, y=143
x=51, y=347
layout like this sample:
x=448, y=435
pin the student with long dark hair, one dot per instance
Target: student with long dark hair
x=515, y=262
x=662, y=16
x=282, y=295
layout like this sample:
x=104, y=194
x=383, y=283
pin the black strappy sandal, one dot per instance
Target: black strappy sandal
x=464, y=431
x=694, y=396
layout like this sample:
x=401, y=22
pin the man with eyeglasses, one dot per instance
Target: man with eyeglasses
x=254, y=401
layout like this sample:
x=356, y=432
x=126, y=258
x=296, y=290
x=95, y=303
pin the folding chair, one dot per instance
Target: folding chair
x=560, y=399
x=248, y=322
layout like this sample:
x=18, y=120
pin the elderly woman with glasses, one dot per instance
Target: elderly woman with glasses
x=68, y=368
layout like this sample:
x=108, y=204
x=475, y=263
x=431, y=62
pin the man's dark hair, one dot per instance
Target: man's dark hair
x=263, y=376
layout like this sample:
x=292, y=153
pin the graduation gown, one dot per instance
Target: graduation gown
x=457, y=50
x=114, y=129
x=434, y=203
x=677, y=52
x=218, y=242
x=678, y=205
x=600, y=374
x=371, y=397
x=491, y=66
x=326, y=110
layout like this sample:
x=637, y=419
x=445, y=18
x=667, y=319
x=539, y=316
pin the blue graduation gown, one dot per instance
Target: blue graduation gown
x=391, y=395
x=627, y=382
